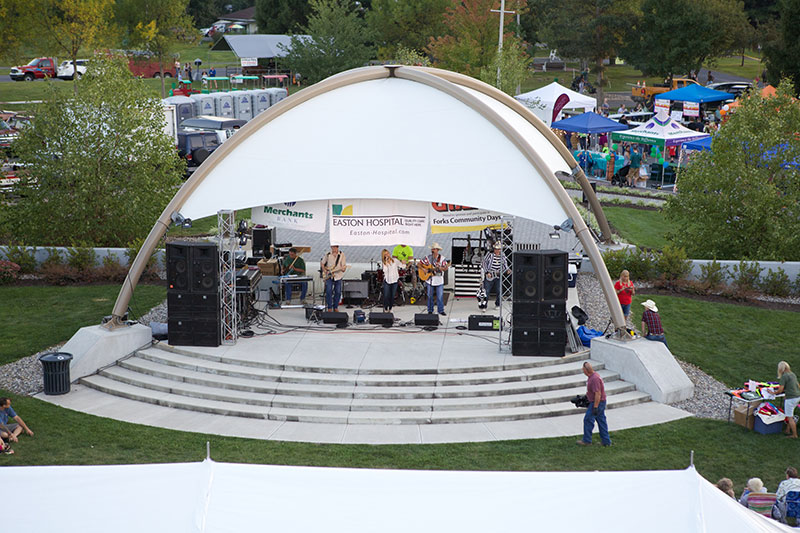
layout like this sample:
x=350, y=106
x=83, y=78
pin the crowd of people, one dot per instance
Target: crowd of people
x=754, y=486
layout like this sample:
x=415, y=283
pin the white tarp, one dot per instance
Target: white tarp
x=303, y=216
x=450, y=218
x=378, y=222
x=546, y=98
x=237, y=498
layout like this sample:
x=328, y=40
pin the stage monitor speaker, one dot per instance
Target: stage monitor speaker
x=525, y=341
x=554, y=275
x=381, y=318
x=334, y=318
x=193, y=331
x=552, y=341
x=178, y=261
x=205, y=270
x=527, y=273
x=483, y=323
x=263, y=238
x=426, y=319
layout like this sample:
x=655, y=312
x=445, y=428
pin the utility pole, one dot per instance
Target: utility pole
x=502, y=12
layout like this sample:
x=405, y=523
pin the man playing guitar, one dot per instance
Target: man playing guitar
x=333, y=266
x=431, y=271
x=494, y=265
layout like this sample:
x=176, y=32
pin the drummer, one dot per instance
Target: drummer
x=403, y=252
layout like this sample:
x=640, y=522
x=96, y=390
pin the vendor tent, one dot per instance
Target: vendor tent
x=258, y=46
x=658, y=132
x=543, y=101
x=700, y=144
x=227, y=497
x=695, y=93
x=589, y=122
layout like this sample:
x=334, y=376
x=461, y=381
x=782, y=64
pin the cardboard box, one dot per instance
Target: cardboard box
x=740, y=416
x=766, y=429
x=269, y=267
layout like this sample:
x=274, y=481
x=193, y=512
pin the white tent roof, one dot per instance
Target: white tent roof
x=388, y=138
x=659, y=132
x=547, y=96
x=224, y=497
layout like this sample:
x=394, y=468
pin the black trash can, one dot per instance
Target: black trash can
x=56, y=372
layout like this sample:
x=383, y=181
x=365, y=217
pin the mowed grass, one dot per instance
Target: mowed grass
x=34, y=318
x=644, y=228
x=733, y=65
x=733, y=343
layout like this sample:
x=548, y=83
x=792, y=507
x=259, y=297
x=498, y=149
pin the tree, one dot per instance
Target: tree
x=158, y=26
x=742, y=200
x=680, y=36
x=99, y=167
x=15, y=31
x=590, y=30
x=783, y=54
x=207, y=12
x=470, y=42
x=409, y=24
x=281, y=16
x=73, y=24
x=513, y=62
x=340, y=40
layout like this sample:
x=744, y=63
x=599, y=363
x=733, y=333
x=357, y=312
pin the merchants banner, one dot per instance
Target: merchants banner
x=378, y=222
x=303, y=216
x=450, y=218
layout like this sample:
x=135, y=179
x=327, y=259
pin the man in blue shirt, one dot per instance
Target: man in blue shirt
x=11, y=431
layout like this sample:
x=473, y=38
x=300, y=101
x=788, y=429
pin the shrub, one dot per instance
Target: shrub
x=712, y=276
x=745, y=277
x=59, y=274
x=111, y=269
x=776, y=283
x=672, y=265
x=8, y=272
x=82, y=259
x=54, y=257
x=638, y=262
x=23, y=256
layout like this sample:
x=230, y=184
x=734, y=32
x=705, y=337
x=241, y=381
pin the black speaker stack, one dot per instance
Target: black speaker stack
x=193, y=294
x=539, y=303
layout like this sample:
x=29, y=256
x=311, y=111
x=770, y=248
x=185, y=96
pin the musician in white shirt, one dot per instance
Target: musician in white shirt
x=391, y=275
x=333, y=266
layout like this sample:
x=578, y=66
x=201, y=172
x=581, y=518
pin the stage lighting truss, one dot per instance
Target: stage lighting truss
x=506, y=283
x=228, y=323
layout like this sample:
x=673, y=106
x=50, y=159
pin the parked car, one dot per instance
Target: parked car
x=65, y=69
x=195, y=147
x=39, y=68
x=222, y=126
x=736, y=88
x=634, y=118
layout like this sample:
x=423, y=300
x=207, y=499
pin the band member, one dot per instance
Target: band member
x=390, y=266
x=333, y=267
x=403, y=252
x=293, y=265
x=494, y=265
x=436, y=266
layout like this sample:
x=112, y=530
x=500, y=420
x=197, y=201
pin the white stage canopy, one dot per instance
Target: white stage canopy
x=236, y=498
x=385, y=138
x=546, y=98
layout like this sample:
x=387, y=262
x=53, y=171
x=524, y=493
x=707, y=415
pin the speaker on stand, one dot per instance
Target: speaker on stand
x=193, y=294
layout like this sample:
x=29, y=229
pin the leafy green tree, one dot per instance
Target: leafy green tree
x=409, y=24
x=741, y=200
x=15, y=30
x=679, y=36
x=157, y=26
x=281, y=16
x=407, y=56
x=99, y=167
x=590, y=30
x=783, y=54
x=513, y=62
x=340, y=40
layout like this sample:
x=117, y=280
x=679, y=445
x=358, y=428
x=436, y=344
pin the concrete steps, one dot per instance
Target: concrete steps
x=210, y=383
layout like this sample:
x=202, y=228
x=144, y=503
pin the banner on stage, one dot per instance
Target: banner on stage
x=378, y=222
x=303, y=216
x=450, y=218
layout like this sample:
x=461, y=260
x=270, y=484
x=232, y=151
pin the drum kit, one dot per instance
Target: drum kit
x=409, y=290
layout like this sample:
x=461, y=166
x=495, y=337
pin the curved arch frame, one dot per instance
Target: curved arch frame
x=432, y=77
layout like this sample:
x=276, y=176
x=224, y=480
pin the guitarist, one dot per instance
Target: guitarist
x=493, y=265
x=333, y=267
x=435, y=266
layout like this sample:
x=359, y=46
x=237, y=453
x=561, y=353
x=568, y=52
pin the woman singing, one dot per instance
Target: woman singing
x=390, y=267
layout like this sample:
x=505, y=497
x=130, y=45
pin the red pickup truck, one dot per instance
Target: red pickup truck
x=41, y=67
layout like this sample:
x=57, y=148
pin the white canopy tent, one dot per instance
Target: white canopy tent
x=542, y=101
x=225, y=497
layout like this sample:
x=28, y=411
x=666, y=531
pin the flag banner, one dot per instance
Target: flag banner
x=378, y=222
x=450, y=218
x=691, y=109
x=303, y=216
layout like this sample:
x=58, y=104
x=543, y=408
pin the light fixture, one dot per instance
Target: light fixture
x=180, y=221
x=555, y=235
x=564, y=226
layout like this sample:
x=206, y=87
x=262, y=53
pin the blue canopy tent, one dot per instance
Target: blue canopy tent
x=695, y=93
x=588, y=123
x=698, y=144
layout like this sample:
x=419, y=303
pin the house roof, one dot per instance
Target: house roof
x=247, y=14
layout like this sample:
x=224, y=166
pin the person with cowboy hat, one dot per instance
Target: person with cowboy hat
x=493, y=266
x=436, y=265
x=651, y=323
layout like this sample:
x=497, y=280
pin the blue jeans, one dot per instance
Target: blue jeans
x=490, y=285
x=602, y=423
x=659, y=338
x=333, y=294
x=389, y=292
x=439, y=292
x=303, y=289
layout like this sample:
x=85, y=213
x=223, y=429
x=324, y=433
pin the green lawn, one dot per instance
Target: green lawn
x=204, y=226
x=619, y=78
x=733, y=65
x=37, y=317
x=644, y=228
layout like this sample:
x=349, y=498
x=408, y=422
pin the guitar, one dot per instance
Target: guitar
x=326, y=275
x=424, y=272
